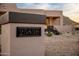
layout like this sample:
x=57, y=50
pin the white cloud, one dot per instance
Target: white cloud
x=71, y=10
x=47, y=6
x=42, y=6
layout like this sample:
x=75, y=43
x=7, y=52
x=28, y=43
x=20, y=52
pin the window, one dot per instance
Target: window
x=28, y=31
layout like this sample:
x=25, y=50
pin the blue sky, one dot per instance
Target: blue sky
x=69, y=9
x=40, y=5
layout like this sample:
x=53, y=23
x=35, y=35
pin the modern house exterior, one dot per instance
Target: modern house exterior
x=11, y=20
x=23, y=30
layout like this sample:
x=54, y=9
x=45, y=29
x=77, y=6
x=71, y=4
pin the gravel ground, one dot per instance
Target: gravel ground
x=62, y=46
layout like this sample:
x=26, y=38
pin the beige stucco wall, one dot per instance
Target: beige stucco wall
x=5, y=40
x=31, y=46
x=28, y=46
x=65, y=28
x=4, y=18
x=7, y=6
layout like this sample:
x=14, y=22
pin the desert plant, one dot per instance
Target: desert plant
x=49, y=34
